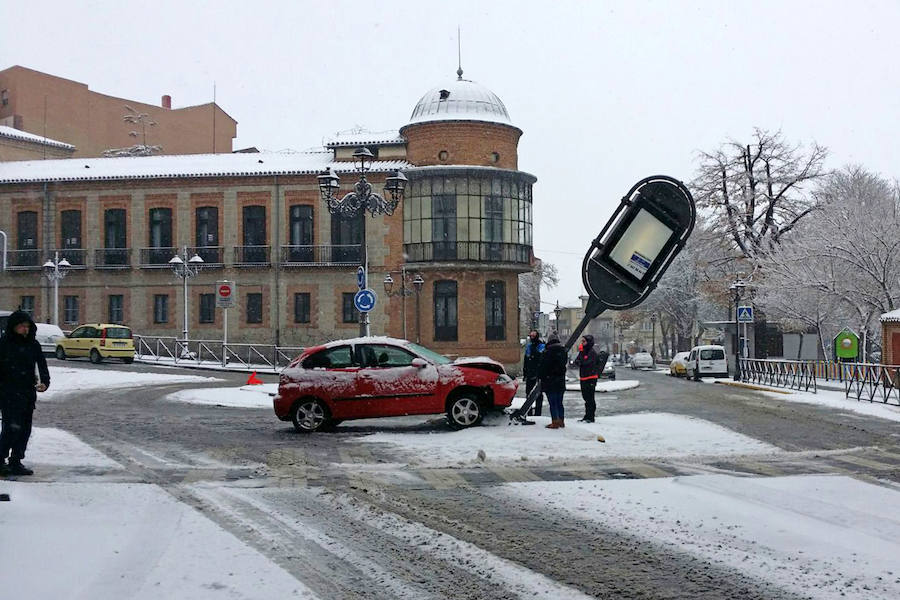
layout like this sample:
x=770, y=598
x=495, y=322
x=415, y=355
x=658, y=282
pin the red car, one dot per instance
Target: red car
x=371, y=377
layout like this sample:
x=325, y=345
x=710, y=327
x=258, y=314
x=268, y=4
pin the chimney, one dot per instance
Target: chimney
x=167, y=102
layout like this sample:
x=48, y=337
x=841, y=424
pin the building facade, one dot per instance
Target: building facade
x=66, y=110
x=21, y=145
x=258, y=219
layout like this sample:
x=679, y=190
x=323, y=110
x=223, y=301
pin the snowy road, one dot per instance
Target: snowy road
x=686, y=498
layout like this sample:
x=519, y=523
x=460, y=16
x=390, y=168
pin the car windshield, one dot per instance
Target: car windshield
x=431, y=355
x=119, y=333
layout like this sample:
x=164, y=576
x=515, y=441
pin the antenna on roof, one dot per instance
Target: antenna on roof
x=214, y=117
x=459, y=70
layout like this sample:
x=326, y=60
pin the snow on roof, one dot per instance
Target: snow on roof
x=892, y=316
x=18, y=134
x=362, y=137
x=182, y=165
x=460, y=100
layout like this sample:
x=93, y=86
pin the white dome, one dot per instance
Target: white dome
x=461, y=100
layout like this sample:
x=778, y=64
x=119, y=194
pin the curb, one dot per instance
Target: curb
x=750, y=386
x=203, y=367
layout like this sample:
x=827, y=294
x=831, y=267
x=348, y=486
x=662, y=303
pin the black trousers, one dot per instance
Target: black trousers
x=16, y=430
x=588, y=387
x=538, y=404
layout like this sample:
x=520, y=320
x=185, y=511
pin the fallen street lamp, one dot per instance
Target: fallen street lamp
x=359, y=201
x=417, y=283
x=54, y=270
x=185, y=268
x=736, y=287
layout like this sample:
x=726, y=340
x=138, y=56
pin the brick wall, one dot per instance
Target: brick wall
x=462, y=143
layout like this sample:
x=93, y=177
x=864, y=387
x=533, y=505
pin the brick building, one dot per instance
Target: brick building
x=21, y=145
x=258, y=219
x=66, y=110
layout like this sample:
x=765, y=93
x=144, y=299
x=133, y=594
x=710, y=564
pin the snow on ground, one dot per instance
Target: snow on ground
x=65, y=380
x=825, y=537
x=246, y=396
x=634, y=435
x=607, y=386
x=51, y=446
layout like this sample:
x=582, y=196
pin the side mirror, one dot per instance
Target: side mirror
x=419, y=363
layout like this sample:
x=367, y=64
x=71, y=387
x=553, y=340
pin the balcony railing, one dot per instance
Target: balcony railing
x=75, y=256
x=337, y=255
x=213, y=256
x=251, y=256
x=112, y=258
x=468, y=251
x=24, y=260
x=156, y=258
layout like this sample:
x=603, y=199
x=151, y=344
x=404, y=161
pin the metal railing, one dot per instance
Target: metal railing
x=156, y=258
x=75, y=256
x=23, y=260
x=468, y=251
x=330, y=255
x=251, y=256
x=213, y=256
x=866, y=381
x=112, y=258
x=213, y=353
x=793, y=374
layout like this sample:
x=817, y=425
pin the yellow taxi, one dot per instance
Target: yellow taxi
x=97, y=341
x=678, y=366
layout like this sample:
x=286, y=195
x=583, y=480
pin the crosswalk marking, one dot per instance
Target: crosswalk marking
x=443, y=479
x=865, y=462
x=514, y=474
x=647, y=471
x=762, y=468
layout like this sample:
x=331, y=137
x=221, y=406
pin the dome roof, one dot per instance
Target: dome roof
x=460, y=100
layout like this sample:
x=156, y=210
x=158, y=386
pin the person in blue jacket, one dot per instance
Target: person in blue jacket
x=534, y=348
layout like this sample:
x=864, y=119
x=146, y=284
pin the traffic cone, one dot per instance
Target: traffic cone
x=254, y=380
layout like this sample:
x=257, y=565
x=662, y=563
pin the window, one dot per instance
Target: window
x=160, y=235
x=160, y=308
x=301, y=233
x=4, y=97
x=443, y=226
x=116, y=305
x=254, y=308
x=70, y=309
x=207, y=234
x=26, y=222
x=26, y=304
x=493, y=227
x=207, y=308
x=70, y=228
x=713, y=354
x=334, y=358
x=445, y=313
x=349, y=314
x=494, y=311
x=114, y=237
x=384, y=356
x=301, y=307
x=346, y=237
x=254, y=234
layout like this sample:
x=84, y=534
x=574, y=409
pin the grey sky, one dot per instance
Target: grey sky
x=606, y=92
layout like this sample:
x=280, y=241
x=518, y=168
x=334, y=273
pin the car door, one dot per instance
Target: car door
x=395, y=385
x=691, y=363
x=330, y=375
x=72, y=343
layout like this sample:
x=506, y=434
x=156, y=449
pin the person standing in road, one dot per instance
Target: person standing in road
x=534, y=349
x=20, y=353
x=588, y=362
x=552, y=373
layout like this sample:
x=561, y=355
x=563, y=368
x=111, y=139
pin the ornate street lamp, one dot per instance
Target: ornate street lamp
x=360, y=200
x=185, y=268
x=736, y=287
x=653, y=329
x=54, y=270
x=417, y=283
x=558, y=312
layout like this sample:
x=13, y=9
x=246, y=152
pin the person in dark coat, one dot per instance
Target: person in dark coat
x=552, y=373
x=589, y=369
x=20, y=353
x=534, y=349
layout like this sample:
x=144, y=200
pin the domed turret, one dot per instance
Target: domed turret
x=461, y=100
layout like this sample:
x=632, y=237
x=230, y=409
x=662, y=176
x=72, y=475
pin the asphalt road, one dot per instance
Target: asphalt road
x=321, y=505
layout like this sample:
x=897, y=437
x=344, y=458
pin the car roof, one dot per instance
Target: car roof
x=103, y=325
x=707, y=347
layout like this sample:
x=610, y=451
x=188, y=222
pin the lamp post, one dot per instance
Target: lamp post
x=558, y=312
x=54, y=270
x=653, y=329
x=360, y=200
x=185, y=268
x=736, y=287
x=418, y=282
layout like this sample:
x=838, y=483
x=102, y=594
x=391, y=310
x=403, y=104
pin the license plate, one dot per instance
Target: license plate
x=120, y=343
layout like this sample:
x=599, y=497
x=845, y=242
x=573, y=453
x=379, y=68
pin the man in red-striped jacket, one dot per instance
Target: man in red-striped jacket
x=589, y=369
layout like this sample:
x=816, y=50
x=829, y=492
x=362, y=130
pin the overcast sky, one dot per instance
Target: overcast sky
x=605, y=92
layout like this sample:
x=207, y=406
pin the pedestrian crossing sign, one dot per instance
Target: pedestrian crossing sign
x=745, y=314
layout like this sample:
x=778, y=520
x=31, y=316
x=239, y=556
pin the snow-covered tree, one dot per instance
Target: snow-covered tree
x=141, y=149
x=752, y=195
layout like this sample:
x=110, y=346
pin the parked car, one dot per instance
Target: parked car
x=678, y=366
x=365, y=378
x=98, y=341
x=4, y=317
x=641, y=360
x=49, y=336
x=609, y=371
x=707, y=361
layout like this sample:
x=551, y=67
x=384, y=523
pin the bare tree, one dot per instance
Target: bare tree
x=756, y=193
x=142, y=149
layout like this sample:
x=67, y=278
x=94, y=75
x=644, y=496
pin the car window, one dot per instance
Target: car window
x=91, y=332
x=693, y=355
x=383, y=355
x=79, y=332
x=430, y=355
x=330, y=358
x=712, y=354
x=119, y=333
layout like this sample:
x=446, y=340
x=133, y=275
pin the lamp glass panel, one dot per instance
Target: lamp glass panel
x=641, y=243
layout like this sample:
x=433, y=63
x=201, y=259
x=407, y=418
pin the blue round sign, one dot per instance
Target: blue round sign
x=364, y=300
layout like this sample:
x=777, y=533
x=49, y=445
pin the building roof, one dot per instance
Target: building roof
x=460, y=100
x=182, y=165
x=892, y=316
x=18, y=134
x=359, y=137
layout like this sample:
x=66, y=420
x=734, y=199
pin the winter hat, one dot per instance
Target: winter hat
x=554, y=339
x=18, y=317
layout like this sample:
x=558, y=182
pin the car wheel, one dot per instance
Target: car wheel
x=95, y=356
x=464, y=411
x=612, y=377
x=128, y=361
x=309, y=415
x=60, y=353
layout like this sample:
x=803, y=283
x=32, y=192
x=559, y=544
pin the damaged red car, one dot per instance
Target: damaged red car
x=371, y=377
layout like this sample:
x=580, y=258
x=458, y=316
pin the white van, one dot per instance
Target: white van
x=707, y=361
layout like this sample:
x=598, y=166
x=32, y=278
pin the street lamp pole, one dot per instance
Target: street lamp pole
x=653, y=344
x=185, y=268
x=558, y=312
x=417, y=282
x=736, y=287
x=54, y=271
x=359, y=201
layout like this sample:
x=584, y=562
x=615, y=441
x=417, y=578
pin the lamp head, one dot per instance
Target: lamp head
x=388, y=283
x=418, y=282
x=195, y=260
x=396, y=185
x=329, y=183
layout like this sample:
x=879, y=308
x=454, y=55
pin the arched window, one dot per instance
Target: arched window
x=446, y=317
x=494, y=311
